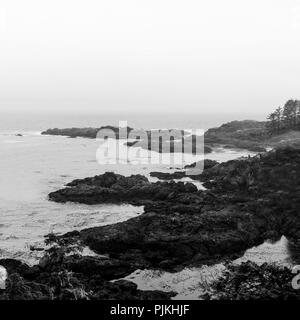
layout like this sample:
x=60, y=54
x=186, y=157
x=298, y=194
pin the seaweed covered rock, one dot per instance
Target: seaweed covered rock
x=249, y=281
x=60, y=276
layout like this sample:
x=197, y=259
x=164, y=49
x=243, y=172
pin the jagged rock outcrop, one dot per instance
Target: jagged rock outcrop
x=168, y=175
x=248, y=201
x=171, y=239
x=114, y=188
x=206, y=164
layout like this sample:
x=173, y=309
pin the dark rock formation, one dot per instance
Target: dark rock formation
x=168, y=175
x=208, y=163
x=169, y=239
x=249, y=281
x=248, y=200
x=127, y=132
x=72, y=277
x=181, y=142
x=270, y=179
x=188, y=173
x=85, y=132
x=114, y=188
x=164, y=140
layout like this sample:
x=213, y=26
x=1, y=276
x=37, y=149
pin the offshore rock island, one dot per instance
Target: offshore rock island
x=256, y=136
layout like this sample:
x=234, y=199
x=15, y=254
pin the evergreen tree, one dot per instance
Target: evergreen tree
x=298, y=114
x=286, y=118
x=278, y=118
x=271, y=124
x=289, y=114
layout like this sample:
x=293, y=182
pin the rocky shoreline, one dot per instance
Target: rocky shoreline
x=246, y=202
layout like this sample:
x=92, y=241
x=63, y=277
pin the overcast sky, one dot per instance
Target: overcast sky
x=145, y=56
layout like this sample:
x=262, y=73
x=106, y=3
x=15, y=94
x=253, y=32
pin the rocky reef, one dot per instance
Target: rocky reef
x=116, y=132
x=85, y=132
x=161, y=141
x=247, y=201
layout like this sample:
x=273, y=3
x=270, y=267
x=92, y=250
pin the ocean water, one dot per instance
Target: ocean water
x=33, y=165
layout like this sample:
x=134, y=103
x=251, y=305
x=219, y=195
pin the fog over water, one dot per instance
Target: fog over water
x=38, y=121
x=148, y=56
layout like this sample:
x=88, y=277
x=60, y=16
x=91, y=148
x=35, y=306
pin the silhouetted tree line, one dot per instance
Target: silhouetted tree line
x=286, y=118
